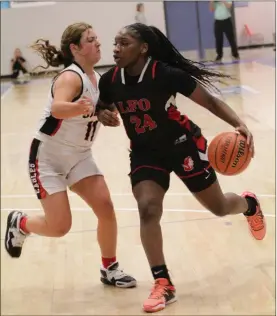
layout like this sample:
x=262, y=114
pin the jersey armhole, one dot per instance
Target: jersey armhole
x=82, y=85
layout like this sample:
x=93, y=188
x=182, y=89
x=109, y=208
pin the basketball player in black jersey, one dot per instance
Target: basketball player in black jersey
x=142, y=88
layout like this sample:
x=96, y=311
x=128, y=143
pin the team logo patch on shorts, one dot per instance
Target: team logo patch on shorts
x=188, y=164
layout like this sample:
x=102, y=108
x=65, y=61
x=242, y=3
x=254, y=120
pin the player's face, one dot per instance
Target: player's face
x=127, y=49
x=89, y=47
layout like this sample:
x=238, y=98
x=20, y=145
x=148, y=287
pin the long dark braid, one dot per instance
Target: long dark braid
x=160, y=48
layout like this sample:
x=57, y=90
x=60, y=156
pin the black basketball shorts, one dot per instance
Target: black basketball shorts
x=187, y=159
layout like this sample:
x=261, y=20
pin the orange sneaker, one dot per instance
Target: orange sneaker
x=162, y=294
x=256, y=222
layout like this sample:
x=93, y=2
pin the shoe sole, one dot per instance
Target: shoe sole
x=161, y=307
x=126, y=285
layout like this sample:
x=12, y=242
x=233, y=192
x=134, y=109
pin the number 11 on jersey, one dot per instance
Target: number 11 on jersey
x=91, y=128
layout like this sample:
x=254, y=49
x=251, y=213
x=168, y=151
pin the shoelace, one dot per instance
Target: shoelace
x=256, y=221
x=118, y=273
x=157, y=291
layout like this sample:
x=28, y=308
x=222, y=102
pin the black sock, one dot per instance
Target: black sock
x=159, y=272
x=252, y=204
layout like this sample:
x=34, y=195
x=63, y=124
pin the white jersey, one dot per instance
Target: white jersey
x=79, y=131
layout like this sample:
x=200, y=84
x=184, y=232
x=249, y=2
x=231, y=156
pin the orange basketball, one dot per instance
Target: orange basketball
x=229, y=153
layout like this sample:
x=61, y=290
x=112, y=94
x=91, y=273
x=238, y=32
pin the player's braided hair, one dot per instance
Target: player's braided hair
x=161, y=49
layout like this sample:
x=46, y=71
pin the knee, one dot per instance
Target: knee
x=150, y=210
x=61, y=230
x=104, y=210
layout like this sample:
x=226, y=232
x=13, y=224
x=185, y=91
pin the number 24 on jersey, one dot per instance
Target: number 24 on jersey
x=144, y=123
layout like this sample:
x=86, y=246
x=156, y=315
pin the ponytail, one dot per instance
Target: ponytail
x=50, y=54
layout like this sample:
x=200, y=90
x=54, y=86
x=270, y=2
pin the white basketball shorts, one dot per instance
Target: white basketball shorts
x=53, y=167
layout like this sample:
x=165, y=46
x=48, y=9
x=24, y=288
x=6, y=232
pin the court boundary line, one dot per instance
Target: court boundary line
x=265, y=65
x=80, y=231
x=124, y=209
x=26, y=196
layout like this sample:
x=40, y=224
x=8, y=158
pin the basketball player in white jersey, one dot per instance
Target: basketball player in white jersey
x=61, y=157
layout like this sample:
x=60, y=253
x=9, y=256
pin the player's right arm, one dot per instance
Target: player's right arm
x=66, y=88
x=106, y=111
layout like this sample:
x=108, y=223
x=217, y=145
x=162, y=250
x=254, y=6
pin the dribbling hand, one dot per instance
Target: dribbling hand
x=243, y=130
x=85, y=105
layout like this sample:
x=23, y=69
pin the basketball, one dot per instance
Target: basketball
x=229, y=153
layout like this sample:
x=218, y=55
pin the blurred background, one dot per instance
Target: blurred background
x=188, y=24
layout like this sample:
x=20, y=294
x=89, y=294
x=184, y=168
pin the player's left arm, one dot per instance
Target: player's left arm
x=216, y=106
x=189, y=87
x=222, y=110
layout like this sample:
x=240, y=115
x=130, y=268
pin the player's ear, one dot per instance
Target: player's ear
x=144, y=48
x=73, y=47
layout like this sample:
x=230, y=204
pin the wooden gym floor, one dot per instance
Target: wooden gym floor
x=217, y=267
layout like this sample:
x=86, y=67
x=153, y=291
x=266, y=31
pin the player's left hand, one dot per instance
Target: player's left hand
x=243, y=130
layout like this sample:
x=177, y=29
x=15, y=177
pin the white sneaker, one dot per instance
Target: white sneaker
x=116, y=277
x=15, y=237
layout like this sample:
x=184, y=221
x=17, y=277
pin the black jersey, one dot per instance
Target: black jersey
x=146, y=103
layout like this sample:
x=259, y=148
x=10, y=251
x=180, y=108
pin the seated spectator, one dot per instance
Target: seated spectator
x=18, y=63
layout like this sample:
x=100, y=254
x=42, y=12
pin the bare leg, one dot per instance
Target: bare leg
x=57, y=219
x=149, y=196
x=221, y=204
x=55, y=223
x=94, y=191
x=230, y=203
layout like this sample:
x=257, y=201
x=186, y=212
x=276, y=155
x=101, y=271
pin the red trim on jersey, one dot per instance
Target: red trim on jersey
x=154, y=69
x=195, y=174
x=150, y=167
x=114, y=73
x=201, y=143
x=57, y=128
x=175, y=115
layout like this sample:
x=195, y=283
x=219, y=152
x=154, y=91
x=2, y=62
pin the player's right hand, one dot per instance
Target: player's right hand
x=108, y=118
x=85, y=106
